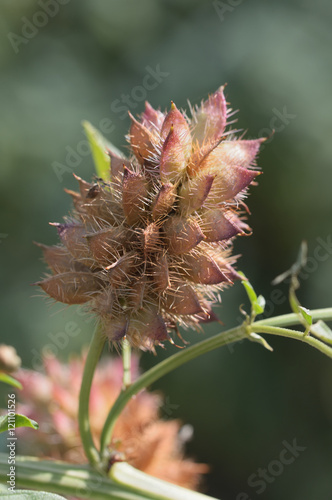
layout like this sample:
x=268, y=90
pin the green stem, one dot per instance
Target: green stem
x=162, y=369
x=126, y=359
x=181, y=357
x=92, y=359
x=293, y=334
x=126, y=483
x=293, y=319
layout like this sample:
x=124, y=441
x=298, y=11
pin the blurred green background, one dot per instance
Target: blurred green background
x=243, y=402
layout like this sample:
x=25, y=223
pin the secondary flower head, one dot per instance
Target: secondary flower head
x=149, y=249
x=141, y=437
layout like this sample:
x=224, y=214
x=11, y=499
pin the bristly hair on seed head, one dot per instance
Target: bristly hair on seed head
x=149, y=248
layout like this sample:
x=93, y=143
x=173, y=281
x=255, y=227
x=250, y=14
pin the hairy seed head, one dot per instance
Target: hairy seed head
x=150, y=248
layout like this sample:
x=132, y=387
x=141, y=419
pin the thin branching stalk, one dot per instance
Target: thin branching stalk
x=76, y=480
x=162, y=369
x=293, y=319
x=293, y=334
x=269, y=326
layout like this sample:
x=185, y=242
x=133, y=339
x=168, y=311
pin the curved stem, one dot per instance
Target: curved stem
x=162, y=369
x=181, y=357
x=293, y=334
x=293, y=319
x=92, y=359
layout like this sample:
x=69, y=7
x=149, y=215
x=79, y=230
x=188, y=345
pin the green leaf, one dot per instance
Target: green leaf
x=257, y=338
x=30, y=495
x=20, y=421
x=257, y=303
x=261, y=303
x=99, y=145
x=4, y=377
x=306, y=314
x=322, y=331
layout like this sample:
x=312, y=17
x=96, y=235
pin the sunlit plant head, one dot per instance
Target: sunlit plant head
x=148, y=246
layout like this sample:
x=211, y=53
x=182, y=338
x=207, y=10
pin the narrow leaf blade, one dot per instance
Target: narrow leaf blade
x=306, y=314
x=260, y=306
x=7, y=379
x=257, y=338
x=20, y=421
x=99, y=146
x=257, y=303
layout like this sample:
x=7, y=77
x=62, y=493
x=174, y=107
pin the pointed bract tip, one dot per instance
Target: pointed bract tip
x=71, y=192
x=148, y=106
x=221, y=88
x=153, y=246
x=40, y=245
x=126, y=171
x=36, y=283
x=133, y=119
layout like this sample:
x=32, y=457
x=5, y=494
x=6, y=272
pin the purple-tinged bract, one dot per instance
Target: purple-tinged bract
x=150, y=249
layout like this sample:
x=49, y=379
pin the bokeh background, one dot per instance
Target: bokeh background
x=243, y=402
